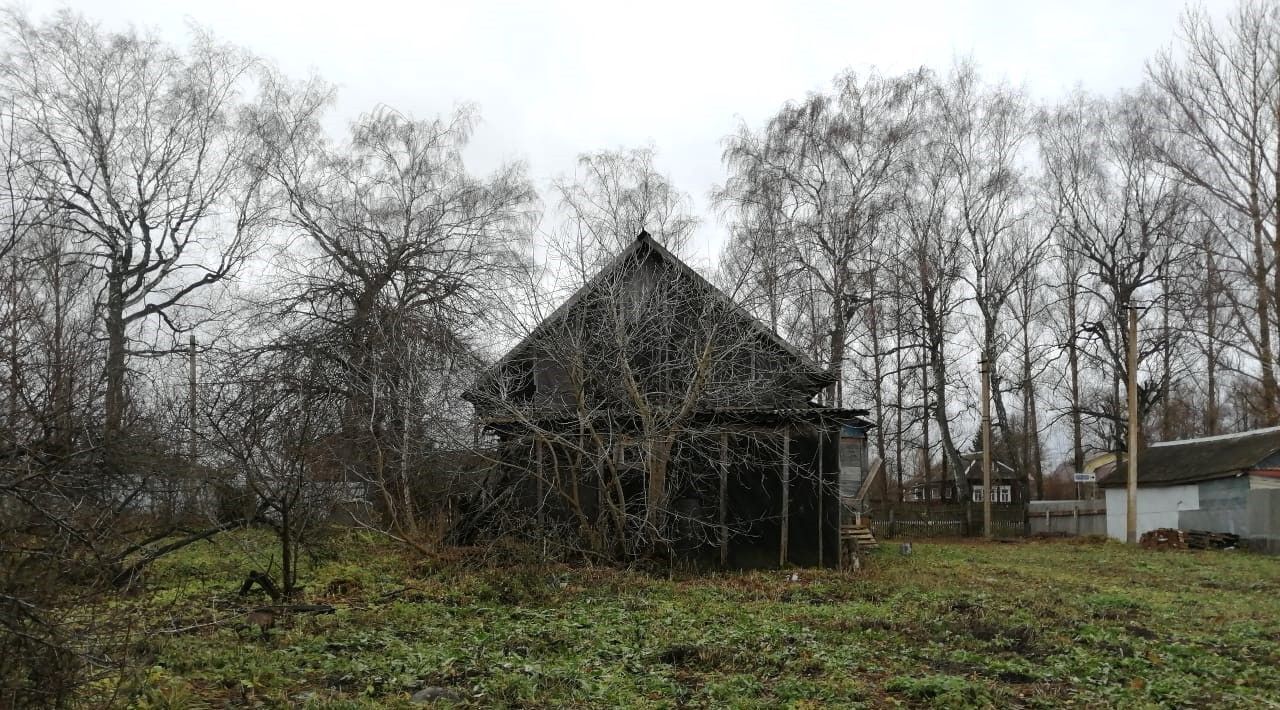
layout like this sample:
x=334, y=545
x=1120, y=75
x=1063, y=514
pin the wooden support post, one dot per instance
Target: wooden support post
x=786, y=496
x=724, y=499
x=822, y=523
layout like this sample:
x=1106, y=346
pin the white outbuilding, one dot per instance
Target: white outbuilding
x=1223, y=484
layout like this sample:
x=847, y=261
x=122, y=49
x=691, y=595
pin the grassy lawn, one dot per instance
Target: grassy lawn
x=956, y=624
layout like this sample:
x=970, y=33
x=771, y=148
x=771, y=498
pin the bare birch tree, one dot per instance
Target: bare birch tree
x=135, y=146
x=1220, y=133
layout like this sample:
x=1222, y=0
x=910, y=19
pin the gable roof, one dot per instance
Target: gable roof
x=1171, y=463
x=999, y=469
x=626, y=259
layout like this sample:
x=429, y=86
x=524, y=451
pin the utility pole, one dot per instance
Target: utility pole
x=986, y=449
x=1131, y=519
x=191, y=400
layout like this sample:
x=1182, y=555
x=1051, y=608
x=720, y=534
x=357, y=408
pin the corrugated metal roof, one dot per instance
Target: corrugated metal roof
x=1192, y=460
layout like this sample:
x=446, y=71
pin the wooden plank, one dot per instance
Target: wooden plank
x=822, y=523
x=877, y=467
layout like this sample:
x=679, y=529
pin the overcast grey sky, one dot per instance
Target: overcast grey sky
x=555, y=79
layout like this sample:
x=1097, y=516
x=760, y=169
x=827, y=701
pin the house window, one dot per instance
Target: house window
x=999, y=494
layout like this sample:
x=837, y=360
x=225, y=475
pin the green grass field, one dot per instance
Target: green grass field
x=956, y=624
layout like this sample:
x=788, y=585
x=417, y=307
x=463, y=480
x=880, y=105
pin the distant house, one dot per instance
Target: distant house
x=651, y=389
x=1228, y=484
x=1006, y=487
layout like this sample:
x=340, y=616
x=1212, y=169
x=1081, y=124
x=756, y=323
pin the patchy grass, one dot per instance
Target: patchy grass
x=957, y=624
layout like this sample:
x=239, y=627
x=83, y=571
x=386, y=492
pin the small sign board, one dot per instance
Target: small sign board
x=1084, y=477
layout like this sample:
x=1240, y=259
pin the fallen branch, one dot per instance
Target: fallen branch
x=296, y=609
x=260, y=579
x=126, y=575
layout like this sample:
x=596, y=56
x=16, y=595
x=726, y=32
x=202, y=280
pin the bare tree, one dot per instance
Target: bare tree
x=272, y=427
x=615, y=194
x=135, y=148
x=827, y=167
x=1220, y=133
x=403, y=257
x=982, y=131
x=1122, y=217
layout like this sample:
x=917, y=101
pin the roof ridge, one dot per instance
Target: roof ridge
x=644, y=239
x=1216, y=437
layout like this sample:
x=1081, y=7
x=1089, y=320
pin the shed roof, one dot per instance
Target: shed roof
x=1170, y=463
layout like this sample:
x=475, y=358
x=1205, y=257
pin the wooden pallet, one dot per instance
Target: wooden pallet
x=1205, y=540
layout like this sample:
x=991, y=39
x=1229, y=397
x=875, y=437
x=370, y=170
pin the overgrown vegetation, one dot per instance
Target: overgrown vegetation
x=1039, y=624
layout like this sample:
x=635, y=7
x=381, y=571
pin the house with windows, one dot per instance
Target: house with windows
x=1007, y=488
x=651, y=414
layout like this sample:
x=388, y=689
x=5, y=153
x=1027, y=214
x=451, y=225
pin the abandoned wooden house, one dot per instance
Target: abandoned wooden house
x=650, y=412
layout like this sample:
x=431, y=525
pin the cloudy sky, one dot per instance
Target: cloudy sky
x=555, y=79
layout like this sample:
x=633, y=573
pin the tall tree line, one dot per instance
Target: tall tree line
x=905, y=229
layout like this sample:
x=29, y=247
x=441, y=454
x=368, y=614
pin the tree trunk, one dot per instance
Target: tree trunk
x=115, y=370
x=1002, y=415
x=1210, y=297
x=1266, y=358
x=1031, y=425
x=287, y=577
x=877, y=384
x=1073, y=366
x=656, y=494
x=1166, y=364
x=952, y=454
x=14, y=362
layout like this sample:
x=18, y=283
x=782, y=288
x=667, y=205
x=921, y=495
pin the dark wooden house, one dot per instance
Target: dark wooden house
x=1007, y=487
x=650, y=413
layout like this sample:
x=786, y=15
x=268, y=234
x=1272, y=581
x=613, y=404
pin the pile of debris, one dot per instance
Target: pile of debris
x=1205, y=540
x=1163, y=539
x=1173, y=539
